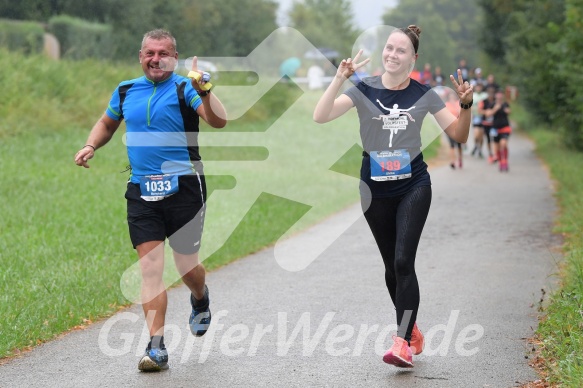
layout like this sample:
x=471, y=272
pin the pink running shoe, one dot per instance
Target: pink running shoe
x=399, y=354
x=417, y=340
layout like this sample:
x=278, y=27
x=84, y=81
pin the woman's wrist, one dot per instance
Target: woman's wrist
x=466, y=105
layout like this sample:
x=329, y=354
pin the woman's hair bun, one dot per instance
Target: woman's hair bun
x=415, y=29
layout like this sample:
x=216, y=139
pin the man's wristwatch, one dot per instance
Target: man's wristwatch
x=467, y=106
x=204, y=93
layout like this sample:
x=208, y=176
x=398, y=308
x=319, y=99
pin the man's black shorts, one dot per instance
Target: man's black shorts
x=180, y=217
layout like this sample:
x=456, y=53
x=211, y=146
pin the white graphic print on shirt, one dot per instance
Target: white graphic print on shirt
x=397, y=119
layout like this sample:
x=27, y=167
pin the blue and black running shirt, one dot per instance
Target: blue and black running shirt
x=161, y=133
x=392, y=120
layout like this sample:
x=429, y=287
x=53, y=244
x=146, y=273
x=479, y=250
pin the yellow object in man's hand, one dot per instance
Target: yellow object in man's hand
x=197, y=76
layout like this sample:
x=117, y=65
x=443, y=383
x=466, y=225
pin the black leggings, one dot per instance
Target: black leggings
x=487, y=133
x=396, y=224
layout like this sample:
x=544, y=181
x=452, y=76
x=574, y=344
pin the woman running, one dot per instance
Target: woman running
x=395, y=185
x=484, y=107
x=479, y=95
x=501, y=128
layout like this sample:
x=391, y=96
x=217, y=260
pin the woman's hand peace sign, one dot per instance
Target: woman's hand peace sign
x=348, y=66
x=463, y=89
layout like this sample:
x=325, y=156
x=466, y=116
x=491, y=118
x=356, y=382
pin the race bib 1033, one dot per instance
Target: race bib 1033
x=158, y=187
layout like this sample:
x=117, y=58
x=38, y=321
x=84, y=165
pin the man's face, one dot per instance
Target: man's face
x=158, y=58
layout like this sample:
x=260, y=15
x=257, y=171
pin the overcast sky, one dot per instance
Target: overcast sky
x=367, y=13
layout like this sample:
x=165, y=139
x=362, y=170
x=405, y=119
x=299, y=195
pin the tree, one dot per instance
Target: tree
x=203, y=28
x=230, y=27
x=433, y=48
x=209, y=28
x=539, y=44
x=42, y=10
x=133, y=18
x=448, y=26
x=532, y=65
x=516, y=35
x=569, y=53
x=326, y=23
x=495, y=28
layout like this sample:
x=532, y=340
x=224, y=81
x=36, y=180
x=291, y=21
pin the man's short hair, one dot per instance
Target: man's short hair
x=159, y=34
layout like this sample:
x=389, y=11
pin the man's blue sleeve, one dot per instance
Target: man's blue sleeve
x=192, y=97
x=113, y=109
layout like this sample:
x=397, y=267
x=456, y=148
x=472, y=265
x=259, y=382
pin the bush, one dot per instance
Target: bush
x=570, y=51
x=27, y=37
x=539, y=46
x=81, y=39
x=54, y=96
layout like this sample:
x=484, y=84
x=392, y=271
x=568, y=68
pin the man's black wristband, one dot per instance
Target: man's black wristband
x=89, y=145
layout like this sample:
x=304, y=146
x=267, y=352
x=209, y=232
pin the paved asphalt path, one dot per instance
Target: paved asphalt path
x=485, y=254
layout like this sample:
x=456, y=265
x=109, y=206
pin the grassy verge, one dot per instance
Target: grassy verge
x=561, y=329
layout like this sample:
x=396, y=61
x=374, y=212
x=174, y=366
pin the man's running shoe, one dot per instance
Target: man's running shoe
x=417, y=340
x=200, y=318
x=154, y=360
x=399, y=354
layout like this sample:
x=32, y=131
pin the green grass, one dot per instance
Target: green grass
x=64, y=244
x=561, y=329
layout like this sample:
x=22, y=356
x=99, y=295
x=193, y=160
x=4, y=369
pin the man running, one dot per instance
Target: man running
x=166, y=192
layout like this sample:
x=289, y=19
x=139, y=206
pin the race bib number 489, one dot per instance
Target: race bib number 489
x=390, y=165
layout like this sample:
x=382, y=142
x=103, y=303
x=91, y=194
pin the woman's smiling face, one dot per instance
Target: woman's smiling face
x=398, y=54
